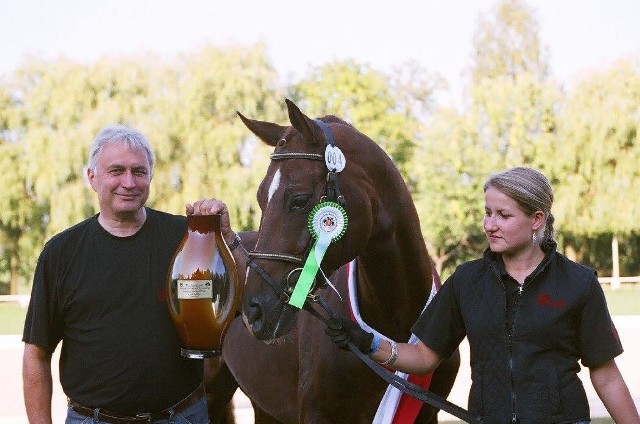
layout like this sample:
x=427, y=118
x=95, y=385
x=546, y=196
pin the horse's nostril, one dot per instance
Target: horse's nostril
x=254, y=314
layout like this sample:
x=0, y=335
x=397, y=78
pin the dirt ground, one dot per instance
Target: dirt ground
x=12, y=407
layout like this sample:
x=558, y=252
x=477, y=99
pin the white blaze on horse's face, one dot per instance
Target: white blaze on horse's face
x=275, y=183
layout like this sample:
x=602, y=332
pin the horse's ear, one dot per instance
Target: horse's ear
x=268, y=132
x=310, y=131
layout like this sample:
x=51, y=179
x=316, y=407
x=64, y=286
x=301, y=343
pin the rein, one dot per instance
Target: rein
x=399, y=383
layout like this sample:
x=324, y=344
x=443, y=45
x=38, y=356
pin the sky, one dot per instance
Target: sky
x=580, y=35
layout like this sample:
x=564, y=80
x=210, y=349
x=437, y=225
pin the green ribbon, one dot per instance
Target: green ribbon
x=325, y=233
x=309, y=271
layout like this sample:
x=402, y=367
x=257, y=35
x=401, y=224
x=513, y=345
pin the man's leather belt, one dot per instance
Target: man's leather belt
x=147, y=417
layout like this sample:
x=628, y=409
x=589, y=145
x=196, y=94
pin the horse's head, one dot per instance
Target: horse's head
x=297, y=180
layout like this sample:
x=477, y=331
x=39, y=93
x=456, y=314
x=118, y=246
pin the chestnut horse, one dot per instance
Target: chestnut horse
x=280, y=355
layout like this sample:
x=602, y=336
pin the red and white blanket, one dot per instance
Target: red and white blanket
x=395, y=407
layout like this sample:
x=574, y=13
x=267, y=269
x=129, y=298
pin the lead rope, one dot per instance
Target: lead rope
x=399, y=383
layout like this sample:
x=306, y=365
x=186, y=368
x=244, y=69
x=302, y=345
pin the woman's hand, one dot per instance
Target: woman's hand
x=342, y=331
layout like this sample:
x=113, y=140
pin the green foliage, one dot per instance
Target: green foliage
x=512, y=107
x=598, y=153
x=596, y=251
x=509, y=120
x=585, y=140
x=52, y=110
x=21, y=218
x=507, y=44
x=449, y=169
x=377, y=104
x=203, y=148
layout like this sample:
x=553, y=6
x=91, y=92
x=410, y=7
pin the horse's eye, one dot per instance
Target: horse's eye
x=298, y=202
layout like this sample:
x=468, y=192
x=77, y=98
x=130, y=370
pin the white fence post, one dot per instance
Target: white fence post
x=615, y=277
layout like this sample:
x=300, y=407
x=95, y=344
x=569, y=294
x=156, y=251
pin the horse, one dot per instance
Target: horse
x=278, y=353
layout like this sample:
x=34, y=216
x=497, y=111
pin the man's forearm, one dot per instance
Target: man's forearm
x=37, y=385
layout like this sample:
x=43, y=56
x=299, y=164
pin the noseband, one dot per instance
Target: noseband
x=332, y=192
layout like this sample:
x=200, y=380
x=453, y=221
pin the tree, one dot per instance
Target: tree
x=508, y=120
x=512, y=104
x=449, y=168
x=204, y=149
x=597, y=157
x=21, y=220
x=385, y=107
x=53, y=109
x=506, y=44
x=600, y=151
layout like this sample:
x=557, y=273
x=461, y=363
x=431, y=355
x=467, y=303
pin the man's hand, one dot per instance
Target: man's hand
x=213, y=207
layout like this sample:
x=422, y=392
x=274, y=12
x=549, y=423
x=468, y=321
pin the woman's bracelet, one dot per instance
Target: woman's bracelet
x=375, y=344
x=235, y=242
x=394, y=354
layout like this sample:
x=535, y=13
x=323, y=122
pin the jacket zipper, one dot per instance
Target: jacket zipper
x=514, y=414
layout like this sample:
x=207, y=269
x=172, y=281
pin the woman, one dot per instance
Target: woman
x=529, y=313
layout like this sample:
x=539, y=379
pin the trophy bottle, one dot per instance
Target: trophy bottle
x=203, y=288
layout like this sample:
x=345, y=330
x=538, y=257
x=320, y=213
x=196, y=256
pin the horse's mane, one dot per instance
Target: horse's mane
x=332, y=119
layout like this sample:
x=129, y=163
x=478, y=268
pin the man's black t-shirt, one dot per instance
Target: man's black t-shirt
x=105, y=298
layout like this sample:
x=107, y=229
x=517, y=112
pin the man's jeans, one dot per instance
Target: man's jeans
x=195, y=414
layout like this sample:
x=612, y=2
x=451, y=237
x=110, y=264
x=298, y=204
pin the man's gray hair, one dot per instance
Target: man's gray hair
x=117, y=133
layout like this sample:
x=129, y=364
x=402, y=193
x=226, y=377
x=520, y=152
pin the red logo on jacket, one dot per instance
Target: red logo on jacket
x=544, y=299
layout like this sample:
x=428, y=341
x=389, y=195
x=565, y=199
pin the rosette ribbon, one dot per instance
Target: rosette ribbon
x=327, y=224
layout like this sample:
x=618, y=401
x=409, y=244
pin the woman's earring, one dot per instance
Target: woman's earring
x=534, y=238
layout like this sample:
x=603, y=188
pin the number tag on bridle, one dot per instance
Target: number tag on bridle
x=334, y=158
x=327, y=223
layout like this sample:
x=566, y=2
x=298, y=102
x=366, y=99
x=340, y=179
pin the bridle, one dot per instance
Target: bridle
x=332, y=193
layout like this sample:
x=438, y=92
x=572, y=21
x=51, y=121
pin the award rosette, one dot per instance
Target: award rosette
x=327, y=223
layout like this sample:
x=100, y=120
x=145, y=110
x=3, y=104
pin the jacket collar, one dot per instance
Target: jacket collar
x=495, y=259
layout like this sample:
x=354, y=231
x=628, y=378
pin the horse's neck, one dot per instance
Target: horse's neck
x=394, y=280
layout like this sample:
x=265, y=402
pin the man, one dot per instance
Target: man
x=99, y=288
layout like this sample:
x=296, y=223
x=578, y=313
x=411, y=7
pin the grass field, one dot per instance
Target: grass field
x=624, y=301
x=11, y=318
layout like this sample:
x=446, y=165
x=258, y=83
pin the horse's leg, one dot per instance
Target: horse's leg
x=261, y=417
x=441, y=383
x=220, y=386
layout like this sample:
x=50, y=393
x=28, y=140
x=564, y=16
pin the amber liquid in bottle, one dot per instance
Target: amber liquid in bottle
x=204, y=291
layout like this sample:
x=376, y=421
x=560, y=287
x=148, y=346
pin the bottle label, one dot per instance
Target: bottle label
x=195, y=289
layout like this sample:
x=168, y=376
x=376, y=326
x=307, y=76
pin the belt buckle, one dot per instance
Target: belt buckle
x=145, y=416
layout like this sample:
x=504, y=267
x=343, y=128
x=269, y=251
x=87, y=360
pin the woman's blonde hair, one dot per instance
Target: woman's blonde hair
x=532, y=191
